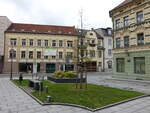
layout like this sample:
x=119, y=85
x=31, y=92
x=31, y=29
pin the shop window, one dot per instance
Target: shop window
x=120, y=64
x=139, y=64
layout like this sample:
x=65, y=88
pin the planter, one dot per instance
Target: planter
x=65, y=80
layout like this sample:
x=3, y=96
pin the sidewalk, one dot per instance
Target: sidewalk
x=14, y=100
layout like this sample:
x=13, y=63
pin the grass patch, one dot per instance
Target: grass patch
x=93, y=97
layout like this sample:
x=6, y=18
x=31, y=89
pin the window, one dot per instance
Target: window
x=23, y=54
x=69, y=43
x=86, y=52
x=109, y=32
x=126, y=42
x=60, y=43
x=13, y=42
x=109, y=64
x=99, y=54
x=99, y=42
x=39, y=43
x=91, y=34
x=31, y=42
x=60, y=55
x=23, y=42
x=82, y=53
x=109, y=52
x=118, y=43
x=139, y=17
x=92, y=53
x=69, y=55
x=126, y=21
x=139, y=64
x=140, y=39
x=45, y=57
x=93, y=41
x=30, y=54
x=120, y=64
x=88, y=41
x=53, y=57
x=109, y=42
x=118, y=23
x=53, y=43
x=38, y=54
x=46, y=43
x=12, y=54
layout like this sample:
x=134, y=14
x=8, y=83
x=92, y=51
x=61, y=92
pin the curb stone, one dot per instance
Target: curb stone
x=79, y=106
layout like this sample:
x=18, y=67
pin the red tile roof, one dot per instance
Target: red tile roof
x=41, y=29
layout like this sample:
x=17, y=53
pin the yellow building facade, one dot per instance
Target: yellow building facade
x=30, y=47
x=44, y=48
x=131, y=24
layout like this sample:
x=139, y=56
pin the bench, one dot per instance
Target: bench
x=36, y=84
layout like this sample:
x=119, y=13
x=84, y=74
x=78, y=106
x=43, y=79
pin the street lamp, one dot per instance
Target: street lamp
x=12, y=56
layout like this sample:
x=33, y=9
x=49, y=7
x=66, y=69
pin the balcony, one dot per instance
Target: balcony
x=92, y=44
x=132, y=26
x=100, y=47
x=82, y=47
x=133, y=48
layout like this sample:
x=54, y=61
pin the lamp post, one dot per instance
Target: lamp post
x=12, y=55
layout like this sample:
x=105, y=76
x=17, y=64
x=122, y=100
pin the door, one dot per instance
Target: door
x=50, y=68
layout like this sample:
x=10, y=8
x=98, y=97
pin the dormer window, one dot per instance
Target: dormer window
x=91, y=34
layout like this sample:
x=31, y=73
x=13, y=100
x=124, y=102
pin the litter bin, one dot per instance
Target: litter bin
x=49, y=98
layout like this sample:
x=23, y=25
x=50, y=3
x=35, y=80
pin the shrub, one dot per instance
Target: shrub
x=69, y=75
x=60, y=74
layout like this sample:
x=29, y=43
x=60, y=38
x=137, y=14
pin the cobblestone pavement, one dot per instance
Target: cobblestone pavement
x=107, y=80
x=14, y=100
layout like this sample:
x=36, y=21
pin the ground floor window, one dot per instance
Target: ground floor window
x=109, y=64
x=25, y=67
x=139, y=64
x=69, y=67
x=120, y=64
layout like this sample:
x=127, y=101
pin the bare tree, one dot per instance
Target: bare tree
x=81, y=64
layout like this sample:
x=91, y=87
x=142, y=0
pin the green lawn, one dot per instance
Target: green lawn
x=93, y=97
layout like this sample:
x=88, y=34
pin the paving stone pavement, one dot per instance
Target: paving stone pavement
x=107, y=80
x=14, y=100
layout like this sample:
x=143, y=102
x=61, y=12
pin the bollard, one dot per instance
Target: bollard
x=49, y=99
x=46, y=89
x=20, y=78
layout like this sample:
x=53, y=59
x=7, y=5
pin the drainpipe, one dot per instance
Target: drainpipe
x=103, y=57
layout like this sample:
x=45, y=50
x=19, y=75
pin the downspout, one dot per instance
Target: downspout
x=103, y=56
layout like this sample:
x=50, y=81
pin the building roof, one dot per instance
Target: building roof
x=41, y=29
x=103, y=32
x=122, y=4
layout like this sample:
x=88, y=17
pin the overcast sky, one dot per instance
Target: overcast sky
x=59, y=12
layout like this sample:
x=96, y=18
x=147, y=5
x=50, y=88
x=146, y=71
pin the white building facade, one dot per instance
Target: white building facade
x=106, y=33
x=4, y=24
